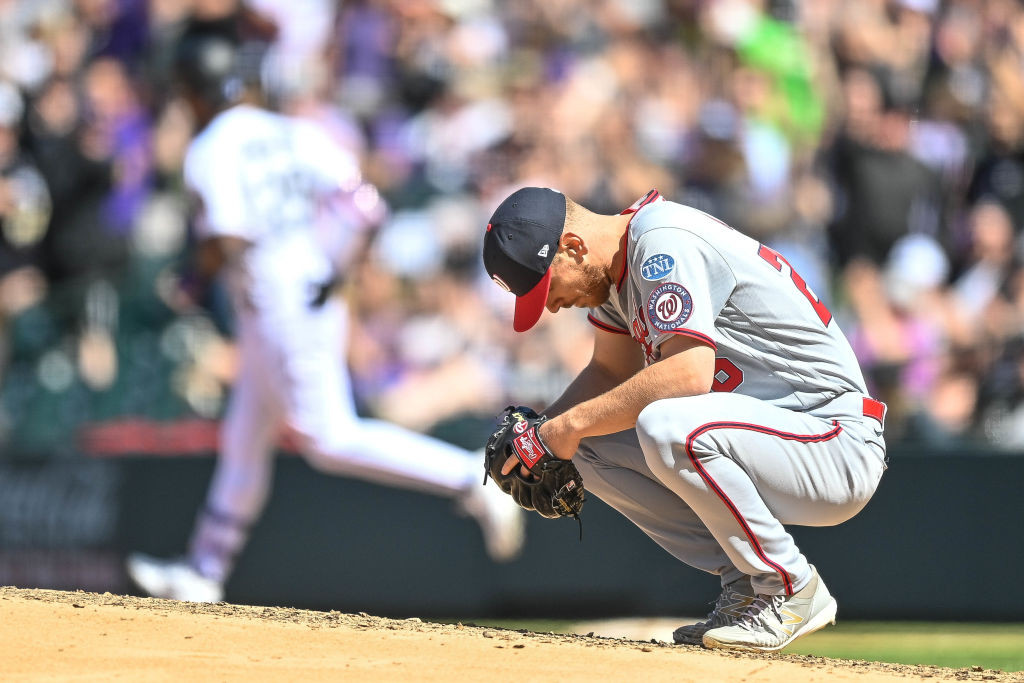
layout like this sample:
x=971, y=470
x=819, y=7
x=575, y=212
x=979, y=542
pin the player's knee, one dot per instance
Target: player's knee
x=322, y=447
x=652, y=424
x=660, y=432
x=666, y=420
x=669, y=433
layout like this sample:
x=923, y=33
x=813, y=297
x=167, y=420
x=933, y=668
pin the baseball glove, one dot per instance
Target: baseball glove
x=554, y=487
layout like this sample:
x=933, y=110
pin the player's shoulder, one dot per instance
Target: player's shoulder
x=241, y=122
x=224, y=126
x=230, y=129
x=672, y=221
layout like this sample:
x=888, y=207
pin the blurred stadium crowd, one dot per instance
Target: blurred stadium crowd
x=878, y=144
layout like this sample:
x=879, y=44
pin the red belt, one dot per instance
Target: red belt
x=875, y=409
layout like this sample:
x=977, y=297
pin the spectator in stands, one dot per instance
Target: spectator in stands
x=24, y=212
x=877, y=119
x=883, y=192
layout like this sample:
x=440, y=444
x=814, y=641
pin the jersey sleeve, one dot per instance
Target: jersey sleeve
x=215, y=182
x=608, y=319
x=683, y=284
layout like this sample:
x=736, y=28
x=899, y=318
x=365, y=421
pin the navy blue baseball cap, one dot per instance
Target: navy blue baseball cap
x=520, y=243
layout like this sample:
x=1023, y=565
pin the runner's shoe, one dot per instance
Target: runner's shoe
x=774, y=621
x=172, y=579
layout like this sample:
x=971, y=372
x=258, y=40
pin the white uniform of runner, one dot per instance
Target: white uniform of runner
x=267, y=179
x=788, y=435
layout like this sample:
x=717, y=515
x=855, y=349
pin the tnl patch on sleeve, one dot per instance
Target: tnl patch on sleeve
x=657, y=267
x=669, y=306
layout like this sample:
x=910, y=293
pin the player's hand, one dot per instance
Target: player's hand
x=560, y=441
x=552, y=486
x=510, y=465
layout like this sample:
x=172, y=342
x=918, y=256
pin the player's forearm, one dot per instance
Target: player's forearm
x=619, y=407
x=592, y=381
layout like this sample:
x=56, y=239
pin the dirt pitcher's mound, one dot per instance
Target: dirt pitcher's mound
x=57, y=635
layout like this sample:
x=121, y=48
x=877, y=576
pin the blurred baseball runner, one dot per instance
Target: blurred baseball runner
x=283, y=211
x=721, y=401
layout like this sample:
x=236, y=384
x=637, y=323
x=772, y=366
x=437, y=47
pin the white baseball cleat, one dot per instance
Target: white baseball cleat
x=774, y=621
x=736, y=597
x=172, y=579
x=501, y=520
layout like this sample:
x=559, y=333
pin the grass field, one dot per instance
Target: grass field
x=953, y=644
x=956, y=644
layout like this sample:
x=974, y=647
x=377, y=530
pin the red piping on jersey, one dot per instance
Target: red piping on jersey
x=605, y=326
x=802, y=438
x=696, y=335
x=648, y=198
x=625, y=260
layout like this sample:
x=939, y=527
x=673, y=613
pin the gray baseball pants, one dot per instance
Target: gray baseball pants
x=714, y=478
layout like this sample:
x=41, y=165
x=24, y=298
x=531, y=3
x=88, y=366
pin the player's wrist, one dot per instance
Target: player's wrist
x=557, y=434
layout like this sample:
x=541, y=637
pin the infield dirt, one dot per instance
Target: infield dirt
x=55, y=635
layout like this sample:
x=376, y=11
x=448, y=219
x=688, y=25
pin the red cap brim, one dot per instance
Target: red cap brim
x=530, y=306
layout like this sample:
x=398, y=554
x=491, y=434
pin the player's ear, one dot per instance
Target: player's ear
x=573, y=245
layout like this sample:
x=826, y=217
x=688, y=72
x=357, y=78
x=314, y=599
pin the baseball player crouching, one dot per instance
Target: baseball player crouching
x=263, y=181
x=721, y=402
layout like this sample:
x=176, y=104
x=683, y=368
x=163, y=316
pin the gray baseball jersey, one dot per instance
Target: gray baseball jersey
x=788, y=436
x=688, y=273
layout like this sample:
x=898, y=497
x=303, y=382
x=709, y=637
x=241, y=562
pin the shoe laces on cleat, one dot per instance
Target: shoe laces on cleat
x=730, y=605
x=757, y=614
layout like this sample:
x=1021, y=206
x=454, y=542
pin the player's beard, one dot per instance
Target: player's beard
x=595, y=286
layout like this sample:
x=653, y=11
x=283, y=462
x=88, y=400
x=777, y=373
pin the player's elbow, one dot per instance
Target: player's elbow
x=694, y=384
x=688, y=371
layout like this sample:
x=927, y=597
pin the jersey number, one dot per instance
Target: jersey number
x=727, y=375
x=776, y=260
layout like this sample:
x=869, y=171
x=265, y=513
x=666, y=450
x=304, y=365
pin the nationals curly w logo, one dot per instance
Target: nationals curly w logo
x=669, y=306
